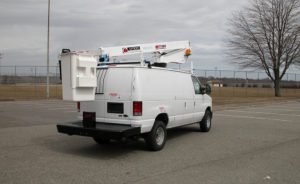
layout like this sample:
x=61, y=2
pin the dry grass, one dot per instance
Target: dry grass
x=252, y=92
x=220, y=101
x=28, y=92
x=246, y=96
x=221, y=96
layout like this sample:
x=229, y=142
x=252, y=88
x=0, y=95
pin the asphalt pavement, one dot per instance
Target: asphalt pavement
x=247, y=144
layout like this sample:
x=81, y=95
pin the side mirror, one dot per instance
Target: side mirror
x=208, y=89
x=205, y=89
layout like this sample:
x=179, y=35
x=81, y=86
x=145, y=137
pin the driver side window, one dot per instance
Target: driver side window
x=197, y=85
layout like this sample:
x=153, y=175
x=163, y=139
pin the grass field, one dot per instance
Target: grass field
x=252, y=92
x=28, y=92
x=226, y=95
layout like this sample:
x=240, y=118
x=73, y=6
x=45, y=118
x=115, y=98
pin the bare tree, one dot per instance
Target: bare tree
x=266, y=35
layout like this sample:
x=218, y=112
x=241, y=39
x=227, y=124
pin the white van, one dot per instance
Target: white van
x=133, y=101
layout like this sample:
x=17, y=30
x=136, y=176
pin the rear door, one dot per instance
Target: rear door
x=117, y=92
x=98, y=105
x=113, y=96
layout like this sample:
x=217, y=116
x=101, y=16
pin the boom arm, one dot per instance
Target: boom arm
x=165, y=52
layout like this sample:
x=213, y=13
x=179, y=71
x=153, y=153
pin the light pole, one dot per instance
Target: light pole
x=48, y=44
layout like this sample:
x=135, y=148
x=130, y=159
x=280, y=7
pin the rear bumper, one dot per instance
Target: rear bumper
x=105, y=130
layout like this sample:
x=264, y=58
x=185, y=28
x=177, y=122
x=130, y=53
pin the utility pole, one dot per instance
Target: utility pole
x=48, y=45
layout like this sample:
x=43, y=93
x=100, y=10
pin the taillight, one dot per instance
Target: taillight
x=78, y=106
x=137, y=108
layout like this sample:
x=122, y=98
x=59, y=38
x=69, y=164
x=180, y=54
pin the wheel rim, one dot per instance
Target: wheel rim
x=159, y=136
x=208, y=122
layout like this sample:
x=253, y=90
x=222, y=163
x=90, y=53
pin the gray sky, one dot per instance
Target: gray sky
x=87, y=25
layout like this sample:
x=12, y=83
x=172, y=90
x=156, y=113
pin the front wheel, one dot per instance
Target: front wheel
x=156, y=139
x=205, y=123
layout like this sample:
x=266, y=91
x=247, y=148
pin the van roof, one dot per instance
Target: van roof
x=144, y=67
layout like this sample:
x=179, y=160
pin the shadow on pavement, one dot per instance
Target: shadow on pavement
x=86, y=147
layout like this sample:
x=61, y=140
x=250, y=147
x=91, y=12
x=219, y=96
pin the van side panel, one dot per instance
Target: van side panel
x=184, y=103
x=157, y=84
x=165, y=92
x=156, y=89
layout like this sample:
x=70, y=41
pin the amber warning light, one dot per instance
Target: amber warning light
x=188, y=52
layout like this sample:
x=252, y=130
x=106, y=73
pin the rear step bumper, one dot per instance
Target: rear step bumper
x=105, y=130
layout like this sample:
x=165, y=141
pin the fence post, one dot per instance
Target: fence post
x=35, y=83
x=234, y=85
x=15, y=82
x=56, y=83
x=246, y=85
x=296, y=85
x=220, y=73
x=287, y=85
x=258, y=91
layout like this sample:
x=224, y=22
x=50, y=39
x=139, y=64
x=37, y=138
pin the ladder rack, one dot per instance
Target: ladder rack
x=118, y=63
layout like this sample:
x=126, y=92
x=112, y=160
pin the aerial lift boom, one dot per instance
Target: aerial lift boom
x=165, y=52
x=79, y=68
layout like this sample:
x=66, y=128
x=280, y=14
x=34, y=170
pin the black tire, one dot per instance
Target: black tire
x=205, y=123
x=156, y=139
x=101, y=140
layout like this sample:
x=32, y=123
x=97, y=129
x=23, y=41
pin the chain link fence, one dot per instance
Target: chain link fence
x=29, y=82
x=247, y=83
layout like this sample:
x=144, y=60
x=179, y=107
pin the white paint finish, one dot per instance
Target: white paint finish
x=78, y=76
x=201, y=102
x=146, y=125
x=174, y=52
x=161, y=91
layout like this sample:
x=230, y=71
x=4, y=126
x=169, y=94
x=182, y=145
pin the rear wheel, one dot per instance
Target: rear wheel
x=101, y=140
x=156, y=139
x=205, y=123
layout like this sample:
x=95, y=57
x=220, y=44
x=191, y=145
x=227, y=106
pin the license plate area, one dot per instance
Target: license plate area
x=115, y=108
x=89, y=119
